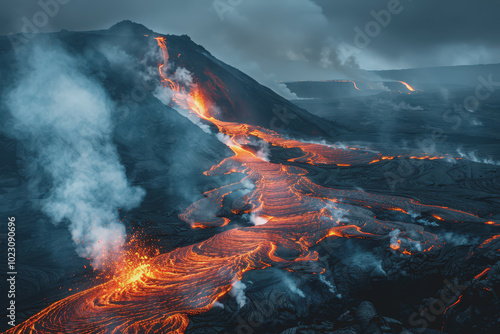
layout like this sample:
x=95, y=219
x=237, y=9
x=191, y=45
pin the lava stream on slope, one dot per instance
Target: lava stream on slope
x=291, y=214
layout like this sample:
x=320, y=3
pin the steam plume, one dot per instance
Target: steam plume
x=63, y=118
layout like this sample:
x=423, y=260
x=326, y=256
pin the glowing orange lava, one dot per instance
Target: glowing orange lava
x=354, y=84
x=410, y=88
x=288, y=210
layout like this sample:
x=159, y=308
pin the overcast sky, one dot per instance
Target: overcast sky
x=295, y=39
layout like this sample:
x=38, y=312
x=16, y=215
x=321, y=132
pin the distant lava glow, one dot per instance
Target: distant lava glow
x=354, y=84
x=410, y=88
x=157, y=294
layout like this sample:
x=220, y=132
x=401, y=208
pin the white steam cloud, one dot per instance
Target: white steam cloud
x=389, y=105
x=238, y=292
x=292, y=286
x=257, y=220
x=218, y=304
x=473, y=157
x=406, y=106
x=183, y=76
x=64, y=119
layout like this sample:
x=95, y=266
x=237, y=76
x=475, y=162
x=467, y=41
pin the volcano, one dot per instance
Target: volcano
x=259, y=216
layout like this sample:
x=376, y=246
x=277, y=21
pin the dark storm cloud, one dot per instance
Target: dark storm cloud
x=294, y=39
x=423, y=33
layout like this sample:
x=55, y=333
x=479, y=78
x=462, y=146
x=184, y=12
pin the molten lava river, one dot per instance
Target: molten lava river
x=291, y=214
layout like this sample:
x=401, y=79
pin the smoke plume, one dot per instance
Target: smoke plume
x=238, y=292
x=63, y=118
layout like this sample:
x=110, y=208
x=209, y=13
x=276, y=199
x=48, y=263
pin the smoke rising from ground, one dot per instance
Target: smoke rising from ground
x=474, y=158
x=238, y=292
x=290, y=284
x=63, y=118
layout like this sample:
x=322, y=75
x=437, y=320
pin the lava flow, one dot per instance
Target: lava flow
x=288, y=214
x=410, y=88
x=354, y=84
